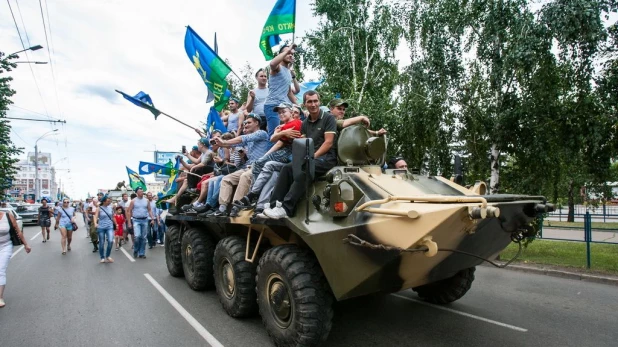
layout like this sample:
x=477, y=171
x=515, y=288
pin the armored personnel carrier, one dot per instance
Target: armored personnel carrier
x=361, y=230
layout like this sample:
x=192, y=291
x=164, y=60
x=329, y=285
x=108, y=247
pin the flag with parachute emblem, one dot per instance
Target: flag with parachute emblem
x=135, y=180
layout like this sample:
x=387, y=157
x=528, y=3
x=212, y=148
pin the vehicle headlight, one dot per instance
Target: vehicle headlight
x=337, y=176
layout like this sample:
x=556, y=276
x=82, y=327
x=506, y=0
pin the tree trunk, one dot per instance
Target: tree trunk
x=495, y=170
x=571, y=214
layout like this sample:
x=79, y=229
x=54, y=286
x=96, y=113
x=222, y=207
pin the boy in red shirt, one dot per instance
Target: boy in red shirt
x=120, y=219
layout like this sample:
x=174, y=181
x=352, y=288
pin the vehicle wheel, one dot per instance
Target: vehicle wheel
x=294, y=298
x=173, y=257
x=197, y=250
x=449, y=289
x=235, y=278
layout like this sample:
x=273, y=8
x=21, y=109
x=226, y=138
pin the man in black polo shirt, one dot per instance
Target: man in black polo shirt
x=322, y=128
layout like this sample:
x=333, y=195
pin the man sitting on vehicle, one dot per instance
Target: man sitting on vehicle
x=322, y=128
x=257, y=143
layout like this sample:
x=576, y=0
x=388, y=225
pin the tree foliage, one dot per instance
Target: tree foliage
x=8, y=151
x=527, y=93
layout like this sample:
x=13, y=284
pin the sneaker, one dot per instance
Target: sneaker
x=276, y=213
x=197, y=204
x=234, y=212
x=134, y=254
x=220, y=213
x=261, y=215
x=186, y=208
x=202, y=208
x=244, y=203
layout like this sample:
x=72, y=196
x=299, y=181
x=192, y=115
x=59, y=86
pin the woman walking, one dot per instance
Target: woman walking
x=104, y=222
x=65, y=218
x=7, y=222
x=45, y=214
x=120, y=219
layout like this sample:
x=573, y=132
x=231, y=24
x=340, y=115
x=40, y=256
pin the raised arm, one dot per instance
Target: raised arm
x=292, y=96
x=250, y=101
x=274, y=64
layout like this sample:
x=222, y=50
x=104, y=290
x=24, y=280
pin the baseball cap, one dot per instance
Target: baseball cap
x=204, y=141
x=195, y=148
x=337, y=102
x=283, y=105
x=255, y=116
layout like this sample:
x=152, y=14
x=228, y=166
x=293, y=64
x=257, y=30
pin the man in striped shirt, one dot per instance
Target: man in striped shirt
x=257, y=143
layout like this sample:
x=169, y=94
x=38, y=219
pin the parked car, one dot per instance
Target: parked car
x=19, y=219
x=30, y=213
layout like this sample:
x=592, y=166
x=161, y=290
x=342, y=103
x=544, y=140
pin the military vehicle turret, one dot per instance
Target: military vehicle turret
x=361, y=230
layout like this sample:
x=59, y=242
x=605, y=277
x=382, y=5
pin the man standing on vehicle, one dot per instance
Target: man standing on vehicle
x=322, y=128
x=138, y=214
x=257, y=97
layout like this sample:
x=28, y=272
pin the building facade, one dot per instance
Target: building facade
x=24, y=181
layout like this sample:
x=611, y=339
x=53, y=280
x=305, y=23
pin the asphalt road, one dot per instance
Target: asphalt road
x=72, y=300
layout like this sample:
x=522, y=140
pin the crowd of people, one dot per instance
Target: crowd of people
x=249, y=166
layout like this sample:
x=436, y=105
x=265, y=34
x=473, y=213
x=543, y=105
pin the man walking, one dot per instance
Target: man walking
x=138, y=214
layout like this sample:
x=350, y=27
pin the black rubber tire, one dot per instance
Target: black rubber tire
x=197, y=266
x=242, y=302
x=173, y=257
x=449, y=289
x=311, y=301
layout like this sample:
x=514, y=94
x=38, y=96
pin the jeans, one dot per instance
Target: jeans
x=152, y=234
x=6, y=251
x=103, y=232
x=140, y=229
x=265, y=176
x=272, y=120
x=212, y=199
x=282, y=156
x=161, y=232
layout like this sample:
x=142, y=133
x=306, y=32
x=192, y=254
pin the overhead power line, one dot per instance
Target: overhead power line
x=21, y=40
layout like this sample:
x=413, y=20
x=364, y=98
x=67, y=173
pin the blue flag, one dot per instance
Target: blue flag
x=212, y=69
x=146, y=168
x=142, y=100
x=171, y=185
x=306, y=86
x=214, y=122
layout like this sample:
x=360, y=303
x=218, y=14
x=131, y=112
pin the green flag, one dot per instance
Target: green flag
x=282, y=20
x=135, y=180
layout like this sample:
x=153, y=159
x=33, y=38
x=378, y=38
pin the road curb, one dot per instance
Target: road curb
x=564, y=274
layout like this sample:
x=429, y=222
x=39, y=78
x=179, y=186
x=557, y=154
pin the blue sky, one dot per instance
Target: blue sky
x=98, y=46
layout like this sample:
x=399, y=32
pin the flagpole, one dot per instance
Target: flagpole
x=294, y=32
x=179, y=121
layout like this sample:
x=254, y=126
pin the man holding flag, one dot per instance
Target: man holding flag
x=279, y=90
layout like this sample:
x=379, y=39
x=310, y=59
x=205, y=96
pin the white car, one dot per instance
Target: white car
x=20, y=222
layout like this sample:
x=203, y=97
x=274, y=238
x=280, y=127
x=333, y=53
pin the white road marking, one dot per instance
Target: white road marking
x=35, y=236
x=127, y=254
x=513, y=327
x=186, y=315
x=17, y=251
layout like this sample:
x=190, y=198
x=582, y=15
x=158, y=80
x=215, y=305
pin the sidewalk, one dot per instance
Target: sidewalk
x=563, y=272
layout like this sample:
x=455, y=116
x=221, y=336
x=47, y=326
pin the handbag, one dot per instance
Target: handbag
x=13, y=231
x=73, y=224
x=108, y=216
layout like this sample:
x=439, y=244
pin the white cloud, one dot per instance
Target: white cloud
x=133, y=45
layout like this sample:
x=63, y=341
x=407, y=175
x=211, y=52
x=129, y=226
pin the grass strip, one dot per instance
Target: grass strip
x=604, y=257
x=595, y=225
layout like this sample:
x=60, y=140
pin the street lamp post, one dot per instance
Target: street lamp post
x=33, y=48
x=36, y=164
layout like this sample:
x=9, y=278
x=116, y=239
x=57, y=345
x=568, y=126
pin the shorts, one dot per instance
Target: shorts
x=45, y=223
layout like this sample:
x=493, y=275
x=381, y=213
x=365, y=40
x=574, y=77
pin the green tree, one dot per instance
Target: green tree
x=8, y=151
x=353, y=49
x=240, y=88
